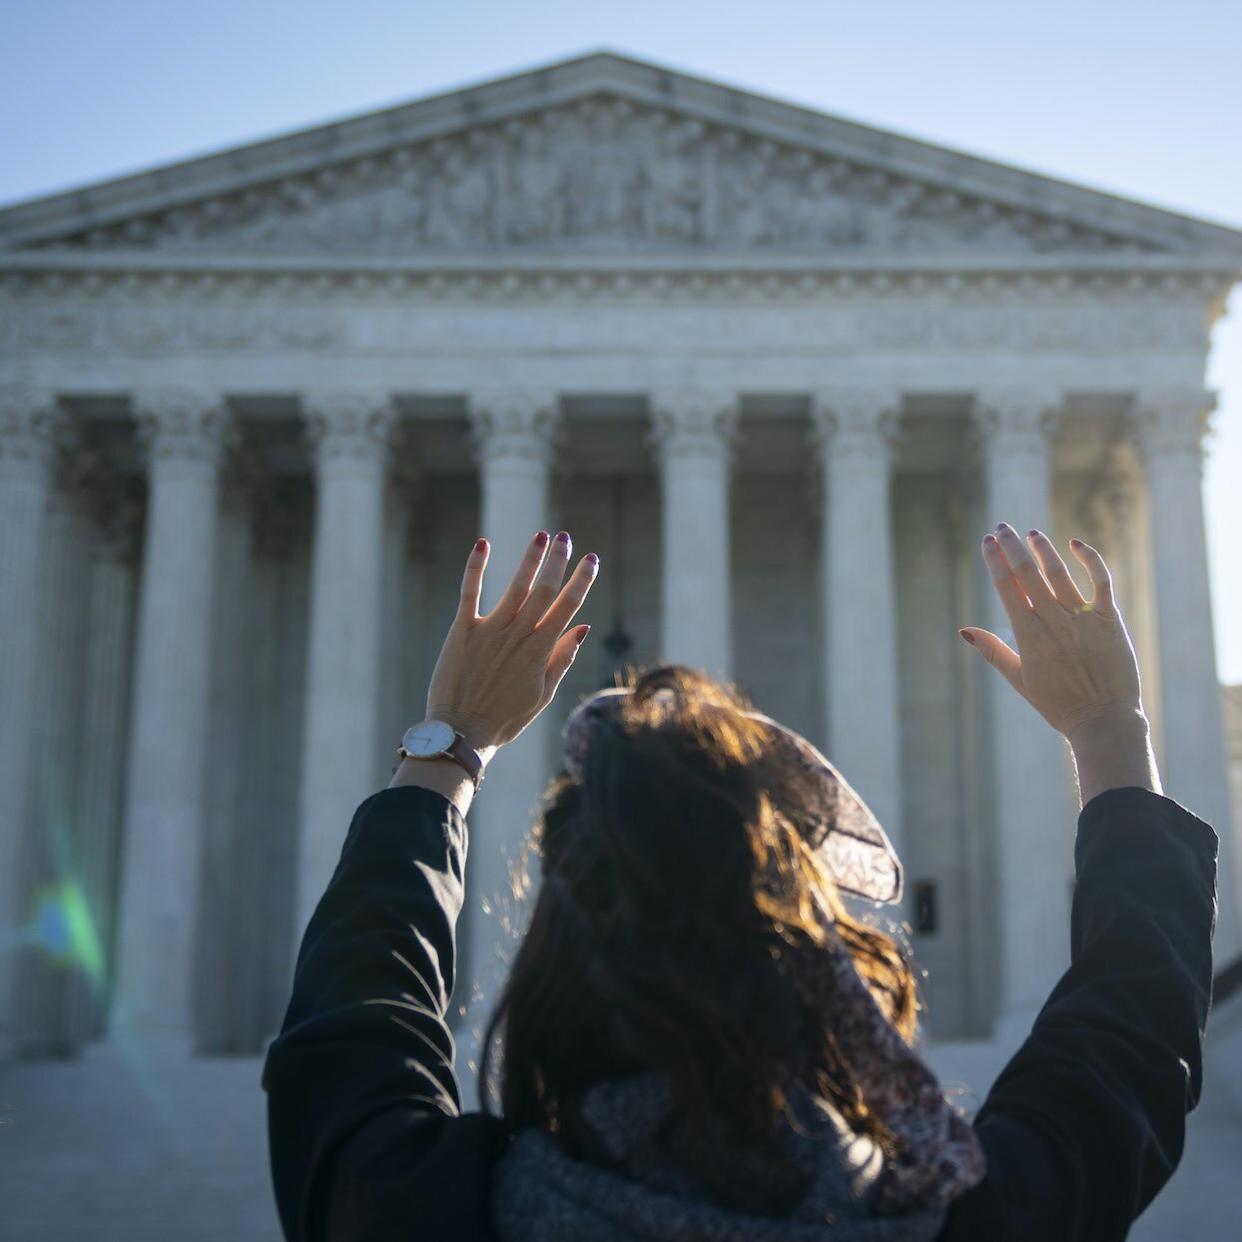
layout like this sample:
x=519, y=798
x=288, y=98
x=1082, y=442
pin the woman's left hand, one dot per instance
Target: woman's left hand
x=496, y=673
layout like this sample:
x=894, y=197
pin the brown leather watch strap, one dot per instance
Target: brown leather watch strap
x=468, y=757
x=460, y=751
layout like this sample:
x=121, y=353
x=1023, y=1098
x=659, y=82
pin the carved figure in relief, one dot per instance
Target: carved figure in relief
x=459, y=208
x=675, y=190
x=739, y=199
x=812, y=216
x=533, y=210
x=400, y=215
x=607, y=193
x=780, y=204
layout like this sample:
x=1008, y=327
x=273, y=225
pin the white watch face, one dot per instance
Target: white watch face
x=428, y=737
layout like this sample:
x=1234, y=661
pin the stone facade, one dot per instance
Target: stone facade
x=779, y=370
x=1233, y=743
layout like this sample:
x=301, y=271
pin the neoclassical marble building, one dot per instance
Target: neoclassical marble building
x=780, y=370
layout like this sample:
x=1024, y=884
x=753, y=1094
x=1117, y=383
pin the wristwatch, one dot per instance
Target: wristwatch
x=437, y=739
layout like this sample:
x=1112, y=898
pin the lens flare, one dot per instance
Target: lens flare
x=63, y=927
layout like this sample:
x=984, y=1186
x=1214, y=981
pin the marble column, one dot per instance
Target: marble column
x=52, y=865
x=1113, y=520
x=28, y=428
x=1110, y=509
x=855, y=435
x=237, y=732
x=282, y=552
x=1169, y=429
x=117, y=513
x=514, y=436
x=694, y=435
x=350, y=433
x=184, y=435
x=1029, y=759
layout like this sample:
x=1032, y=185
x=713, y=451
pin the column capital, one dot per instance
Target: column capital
x=513, y=424
x=856, y=423
x=694, y=423
x=183, y=425
x=1019, y=421
x=1108, y=503
x=1172, y=422
x=32, y=428
x=348, y=426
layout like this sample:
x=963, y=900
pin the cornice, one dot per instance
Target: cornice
x=71, y=260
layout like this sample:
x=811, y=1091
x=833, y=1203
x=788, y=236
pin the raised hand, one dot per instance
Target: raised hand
x=1075, y=663
x=496, y=673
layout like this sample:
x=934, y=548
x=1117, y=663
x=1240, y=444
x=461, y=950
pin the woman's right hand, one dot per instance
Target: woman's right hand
x=1075, y=663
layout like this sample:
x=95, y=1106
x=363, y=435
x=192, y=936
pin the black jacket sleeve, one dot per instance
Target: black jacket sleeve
x=365, y=1030
x=1087, y=1121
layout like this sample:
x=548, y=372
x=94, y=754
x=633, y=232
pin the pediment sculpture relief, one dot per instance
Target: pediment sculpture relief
x=598, y=174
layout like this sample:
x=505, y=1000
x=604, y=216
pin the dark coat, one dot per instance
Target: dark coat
x=1083, y=1127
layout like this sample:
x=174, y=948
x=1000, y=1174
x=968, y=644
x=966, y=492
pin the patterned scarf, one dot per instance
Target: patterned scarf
x=938, y=1155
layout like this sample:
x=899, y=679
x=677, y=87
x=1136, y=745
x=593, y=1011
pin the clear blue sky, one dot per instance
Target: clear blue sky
x=1142, y=99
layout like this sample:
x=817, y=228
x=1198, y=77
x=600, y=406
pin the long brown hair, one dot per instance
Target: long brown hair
x=675, y=932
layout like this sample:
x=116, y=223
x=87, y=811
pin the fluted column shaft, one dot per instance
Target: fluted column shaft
x=1170, y=429
x=350, y=434
x=52, y=870
x=513, y=436
x=27, y=435
x=105, y=719
x=855, y=435
x=694, y=434
x=1029, y=758
x=164, y=812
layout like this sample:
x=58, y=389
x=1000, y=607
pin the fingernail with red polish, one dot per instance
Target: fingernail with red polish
x=541, y=538
x=967, y=637
x=480, y=545
x=582, y=636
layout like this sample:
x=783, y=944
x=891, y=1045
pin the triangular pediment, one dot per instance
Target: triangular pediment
x=596, y=156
